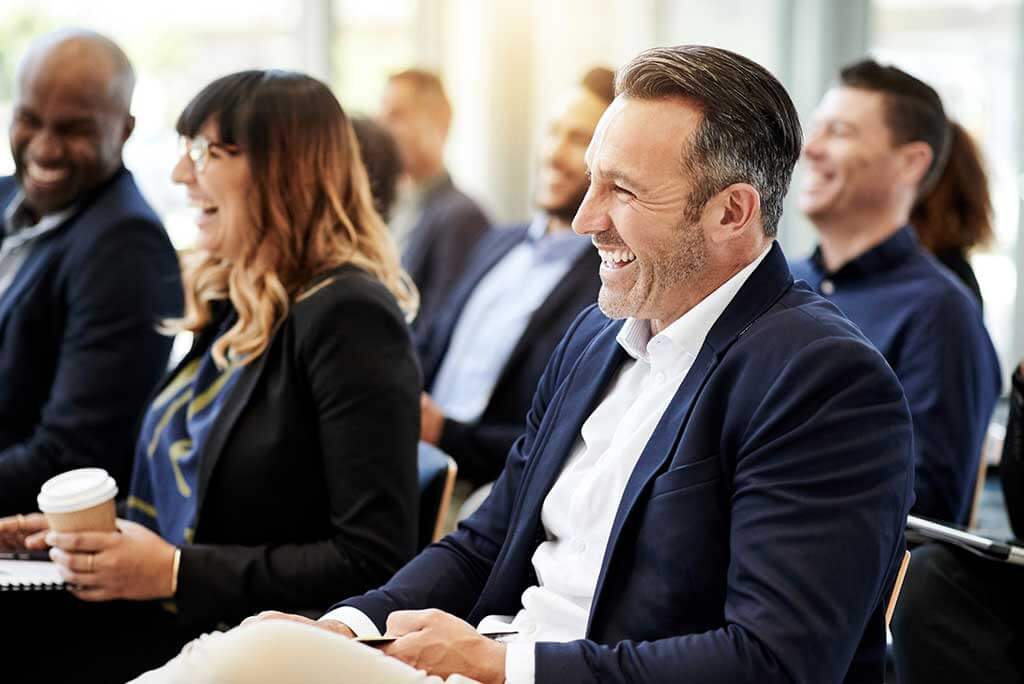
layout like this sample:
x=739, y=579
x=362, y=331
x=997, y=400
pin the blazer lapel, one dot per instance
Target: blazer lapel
x=213, y=447
x=39, y=256
x=236, y=402
x=579, y=394
x=490, y=254
x=659, y=449
x=583, y=268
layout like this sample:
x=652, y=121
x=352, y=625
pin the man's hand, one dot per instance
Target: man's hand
x=132, y=563
x=431, y=420
x=444, y=645
x=328, y=625
x=20, y=532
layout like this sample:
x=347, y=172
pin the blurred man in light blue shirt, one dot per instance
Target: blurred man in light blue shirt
x=524, y=286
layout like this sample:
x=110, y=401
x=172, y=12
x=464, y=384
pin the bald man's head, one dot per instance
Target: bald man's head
x=71, y=117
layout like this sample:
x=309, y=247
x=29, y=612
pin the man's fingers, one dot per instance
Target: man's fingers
x=79, y=580
x=76, y=562
x=402, y=622
x=276, y=615
x=336, y=627
x=82, y=541
x=14, y=528
x=37, y=541
x=93, y=594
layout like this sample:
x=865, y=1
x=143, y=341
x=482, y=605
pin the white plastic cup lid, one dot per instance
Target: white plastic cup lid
x=76, y=490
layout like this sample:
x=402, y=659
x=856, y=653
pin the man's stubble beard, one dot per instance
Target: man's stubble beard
x=685, y=262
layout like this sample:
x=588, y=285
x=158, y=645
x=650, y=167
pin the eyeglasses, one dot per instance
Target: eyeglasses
x=198, y=150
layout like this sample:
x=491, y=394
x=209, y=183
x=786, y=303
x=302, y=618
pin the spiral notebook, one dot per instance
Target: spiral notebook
x=30, y=575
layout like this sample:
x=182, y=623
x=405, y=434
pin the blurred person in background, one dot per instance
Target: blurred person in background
x=87, y=272
x=277, y=462
x=879, y=141
x=524, y=285
x=379, y=152
x=955, y=217
x=959, y=617
x=435, y=224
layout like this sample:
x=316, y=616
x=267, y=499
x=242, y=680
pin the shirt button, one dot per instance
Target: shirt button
x=660, y=377
x=827, y=287
x=579, y=546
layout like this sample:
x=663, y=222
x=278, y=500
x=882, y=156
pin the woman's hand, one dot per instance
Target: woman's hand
x=133, y=563
x=20, y=532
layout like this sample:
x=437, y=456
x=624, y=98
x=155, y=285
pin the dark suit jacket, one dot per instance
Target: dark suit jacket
x=308, y=476
x=449, y=226
x=79, y=349
x=480, y=448
x=759, y=532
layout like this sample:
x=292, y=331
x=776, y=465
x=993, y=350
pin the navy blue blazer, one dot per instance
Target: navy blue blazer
x=79, y=348
x=480, y=447
x=759, y=533
x=449, y=226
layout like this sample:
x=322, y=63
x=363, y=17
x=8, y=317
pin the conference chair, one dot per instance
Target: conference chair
x=437, y=471
x=990, y=449
x=897, y=586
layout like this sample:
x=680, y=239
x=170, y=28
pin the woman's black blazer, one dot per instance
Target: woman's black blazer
x=307, y=482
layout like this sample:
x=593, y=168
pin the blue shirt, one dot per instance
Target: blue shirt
x=930, y=330
x=496, y=316
x=167, y=459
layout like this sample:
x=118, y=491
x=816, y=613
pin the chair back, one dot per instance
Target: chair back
x=896, y=587
x=437, y=471
x=990, y=450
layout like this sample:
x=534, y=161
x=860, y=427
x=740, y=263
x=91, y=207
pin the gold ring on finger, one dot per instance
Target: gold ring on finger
x=92, y=561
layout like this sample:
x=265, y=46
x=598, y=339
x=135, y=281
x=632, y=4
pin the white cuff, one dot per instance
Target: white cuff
x=356, y=620
x=520, y=662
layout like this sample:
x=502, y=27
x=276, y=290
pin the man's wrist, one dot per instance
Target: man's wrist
x=492, y=662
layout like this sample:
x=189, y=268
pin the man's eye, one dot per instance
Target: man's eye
x=27, y=119
x=623, y=191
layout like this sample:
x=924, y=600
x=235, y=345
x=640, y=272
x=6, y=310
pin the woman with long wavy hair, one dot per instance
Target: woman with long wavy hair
x=276, y=466
x=955, y=217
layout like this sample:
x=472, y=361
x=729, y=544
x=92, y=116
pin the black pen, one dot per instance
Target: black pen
x=25, y=555
x=385, y=640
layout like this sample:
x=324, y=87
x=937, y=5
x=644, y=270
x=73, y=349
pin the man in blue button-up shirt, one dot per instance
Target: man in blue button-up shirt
x=879, y=142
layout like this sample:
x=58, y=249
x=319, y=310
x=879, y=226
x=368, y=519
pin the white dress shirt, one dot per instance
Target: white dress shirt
x=580, y=508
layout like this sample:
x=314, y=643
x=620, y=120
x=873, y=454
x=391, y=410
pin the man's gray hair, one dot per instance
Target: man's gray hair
x=749, y=133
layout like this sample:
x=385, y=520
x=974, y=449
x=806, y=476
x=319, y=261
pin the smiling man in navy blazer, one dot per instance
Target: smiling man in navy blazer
x=713, y=489
x=86, y=272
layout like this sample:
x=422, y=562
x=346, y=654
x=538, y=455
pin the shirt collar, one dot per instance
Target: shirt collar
x=538, y=227
x=548, y=247
x=890, y=252
x=16, y=218
x=432, y=185
x=686, y=335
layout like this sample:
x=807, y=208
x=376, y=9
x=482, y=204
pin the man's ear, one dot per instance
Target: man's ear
x=915, y=160
x=129, y=126
x=731, y=212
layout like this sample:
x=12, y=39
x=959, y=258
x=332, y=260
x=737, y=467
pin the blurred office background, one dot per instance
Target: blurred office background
x=504, y=61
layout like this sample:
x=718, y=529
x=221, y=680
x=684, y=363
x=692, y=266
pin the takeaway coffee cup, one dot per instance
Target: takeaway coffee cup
x=79, y=500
